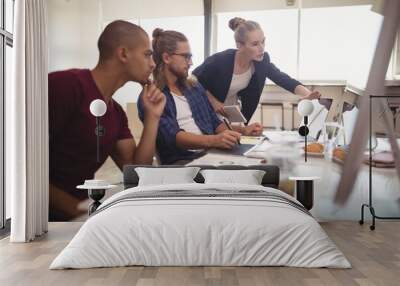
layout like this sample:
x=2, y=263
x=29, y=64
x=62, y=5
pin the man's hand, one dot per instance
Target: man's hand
x=312, y=95
x=227, y=139
x=153, y=101
x=254, y=129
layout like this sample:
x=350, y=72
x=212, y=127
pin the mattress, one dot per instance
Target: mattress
x=201, y=225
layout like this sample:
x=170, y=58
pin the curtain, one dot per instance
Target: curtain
x=27, y=119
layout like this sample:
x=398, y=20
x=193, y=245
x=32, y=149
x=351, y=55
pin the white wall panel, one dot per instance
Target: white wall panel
x=133, y=9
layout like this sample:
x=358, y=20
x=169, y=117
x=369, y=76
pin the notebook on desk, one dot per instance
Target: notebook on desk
x=238, y=150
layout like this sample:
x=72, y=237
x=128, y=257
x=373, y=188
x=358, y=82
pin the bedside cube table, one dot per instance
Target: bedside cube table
x=96, y=191
x=305, y=190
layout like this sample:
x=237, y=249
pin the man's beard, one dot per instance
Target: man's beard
x=180, y=75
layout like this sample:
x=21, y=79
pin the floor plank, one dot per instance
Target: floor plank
x=374, y=255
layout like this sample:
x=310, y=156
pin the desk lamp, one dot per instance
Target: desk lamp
x=98, y=108
x=305, y=108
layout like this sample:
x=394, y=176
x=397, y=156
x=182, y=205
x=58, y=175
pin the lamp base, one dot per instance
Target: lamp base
x=95, y=195
x=303, y=130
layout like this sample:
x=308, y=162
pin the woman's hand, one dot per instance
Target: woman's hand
x=218, y=107
x=312, y=95
x=305, y=93
x=254, y=129
x=216, y=104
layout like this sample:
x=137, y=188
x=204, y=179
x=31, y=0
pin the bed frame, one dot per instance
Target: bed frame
x=270, y=179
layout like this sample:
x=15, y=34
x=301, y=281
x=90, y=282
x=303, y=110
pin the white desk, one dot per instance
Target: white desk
x=385, y=183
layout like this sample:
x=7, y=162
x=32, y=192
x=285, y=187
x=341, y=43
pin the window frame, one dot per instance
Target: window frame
x=6, y=39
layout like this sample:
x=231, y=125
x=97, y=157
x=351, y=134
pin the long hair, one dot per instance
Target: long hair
x=166, y=42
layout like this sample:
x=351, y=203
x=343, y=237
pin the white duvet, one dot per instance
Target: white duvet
x=200, y=231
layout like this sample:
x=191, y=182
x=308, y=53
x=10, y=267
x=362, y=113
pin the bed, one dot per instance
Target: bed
x=201, y=224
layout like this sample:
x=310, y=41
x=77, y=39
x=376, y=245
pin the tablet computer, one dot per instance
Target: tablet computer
x=234, y=114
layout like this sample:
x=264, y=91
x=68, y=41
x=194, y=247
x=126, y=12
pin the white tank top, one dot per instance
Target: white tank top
x=239, y=82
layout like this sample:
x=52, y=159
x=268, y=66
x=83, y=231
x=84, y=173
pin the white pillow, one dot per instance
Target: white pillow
x=248, y=177
x=164, y=176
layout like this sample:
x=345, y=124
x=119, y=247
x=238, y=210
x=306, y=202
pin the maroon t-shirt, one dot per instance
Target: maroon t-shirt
x=72, y=129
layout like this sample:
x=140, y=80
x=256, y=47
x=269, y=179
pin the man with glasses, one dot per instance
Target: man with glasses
x=188, y=125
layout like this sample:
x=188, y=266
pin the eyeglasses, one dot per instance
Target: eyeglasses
x=187, y=56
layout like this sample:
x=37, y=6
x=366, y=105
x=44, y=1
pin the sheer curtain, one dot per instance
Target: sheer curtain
x=27, y=122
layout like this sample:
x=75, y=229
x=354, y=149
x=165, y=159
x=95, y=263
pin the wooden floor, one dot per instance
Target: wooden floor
x=375, y=257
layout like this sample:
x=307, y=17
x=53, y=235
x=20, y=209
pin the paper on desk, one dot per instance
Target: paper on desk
x=282, y=136
x=259, y=150
x=262, y=147
x=253, y=140
x=274, y=138
x=221, y=159
x=285, y=136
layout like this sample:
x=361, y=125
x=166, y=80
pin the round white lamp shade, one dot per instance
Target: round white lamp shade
x=305, y=107
x=98, y=107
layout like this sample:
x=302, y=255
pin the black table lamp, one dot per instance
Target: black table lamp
x=305, y=108
x=98, y=108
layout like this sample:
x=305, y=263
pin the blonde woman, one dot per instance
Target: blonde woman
x=237, y=76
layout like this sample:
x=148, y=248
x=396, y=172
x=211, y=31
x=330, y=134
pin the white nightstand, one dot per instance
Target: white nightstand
x=96, y=191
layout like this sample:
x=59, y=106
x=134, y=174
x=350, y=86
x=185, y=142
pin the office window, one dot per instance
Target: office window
x=192, y=27
x=280, y=29
x=338, y=43
x=328, y=43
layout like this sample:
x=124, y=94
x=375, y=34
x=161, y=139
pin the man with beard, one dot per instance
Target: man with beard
x=188, y=124
x=124, y=55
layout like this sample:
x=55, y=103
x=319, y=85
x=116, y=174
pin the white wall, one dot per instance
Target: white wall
x=133, y=9
x=72, y=31
x=74, y=27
